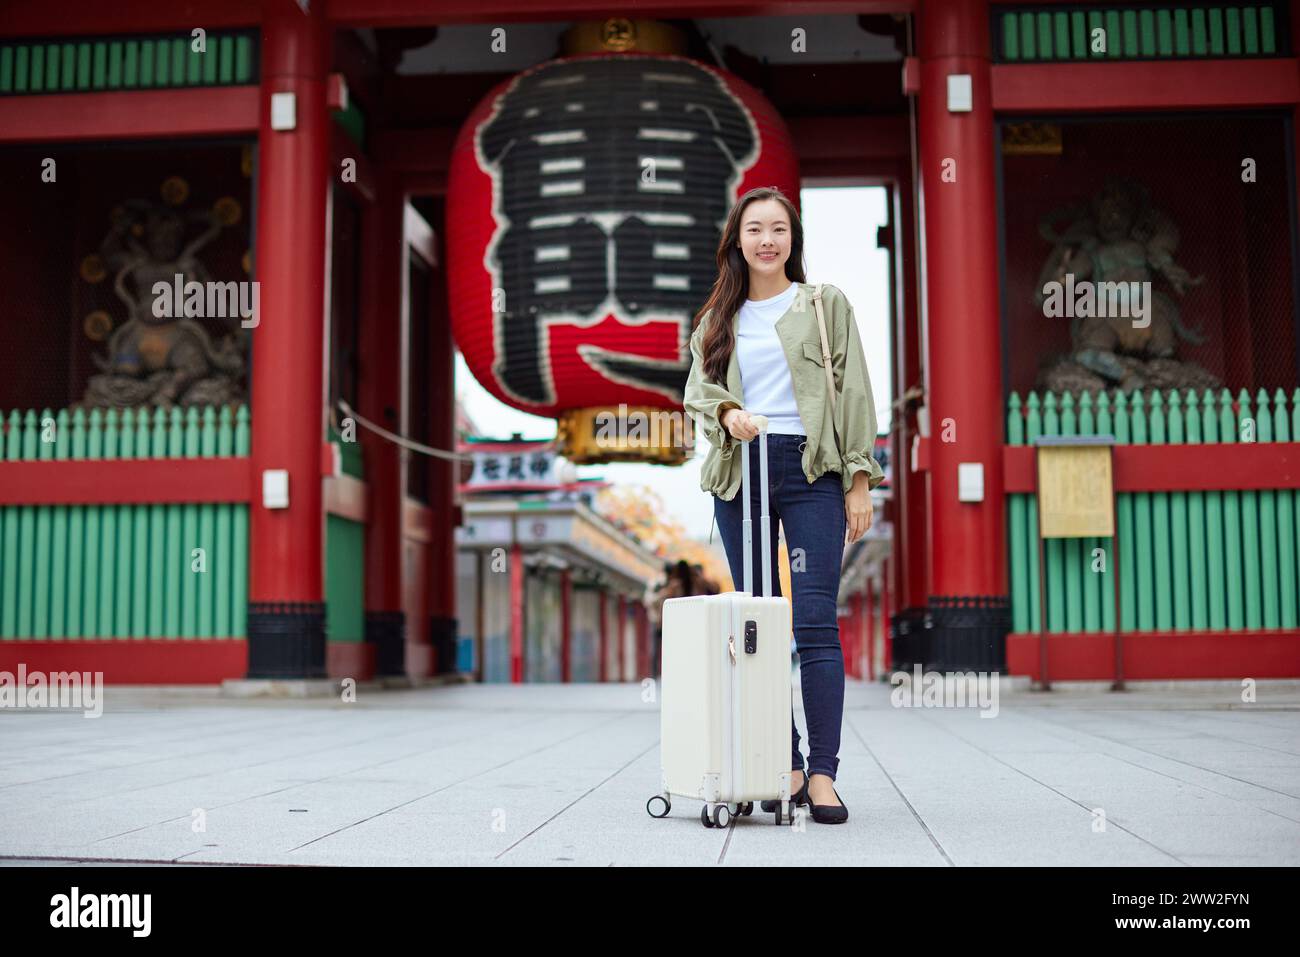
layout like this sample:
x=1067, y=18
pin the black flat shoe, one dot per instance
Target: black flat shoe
x=828, y=813
x=799, y=797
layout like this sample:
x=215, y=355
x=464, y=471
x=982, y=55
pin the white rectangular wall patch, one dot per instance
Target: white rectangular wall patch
x=284, y=111
x=275, y=488
x=959, y=93
x=970, y=481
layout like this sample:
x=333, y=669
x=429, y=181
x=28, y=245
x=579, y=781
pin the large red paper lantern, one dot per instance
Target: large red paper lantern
x=585, y=203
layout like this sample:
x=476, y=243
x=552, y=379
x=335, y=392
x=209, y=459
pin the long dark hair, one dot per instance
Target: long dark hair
x=731, y=288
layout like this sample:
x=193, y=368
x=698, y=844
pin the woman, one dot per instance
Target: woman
x=759, y=329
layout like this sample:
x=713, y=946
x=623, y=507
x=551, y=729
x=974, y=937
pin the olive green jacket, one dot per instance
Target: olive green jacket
x=855, y=410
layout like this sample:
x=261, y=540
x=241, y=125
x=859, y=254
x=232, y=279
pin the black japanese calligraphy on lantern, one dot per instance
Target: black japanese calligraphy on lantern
x=612, y=177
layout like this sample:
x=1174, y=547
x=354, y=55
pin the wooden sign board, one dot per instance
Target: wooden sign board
x=1075, y=491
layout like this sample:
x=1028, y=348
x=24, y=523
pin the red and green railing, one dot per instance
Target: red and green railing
x=101, y=517
x=1208, y=514
x=1139, y=32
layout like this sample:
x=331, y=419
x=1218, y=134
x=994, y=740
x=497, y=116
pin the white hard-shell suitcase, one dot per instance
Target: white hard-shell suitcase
x=725, y=698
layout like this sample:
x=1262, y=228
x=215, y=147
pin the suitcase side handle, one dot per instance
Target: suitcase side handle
x=760, y=423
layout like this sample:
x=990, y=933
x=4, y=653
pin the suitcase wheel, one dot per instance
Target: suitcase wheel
x=747, y=808
x=721, y=816
x=652, y=806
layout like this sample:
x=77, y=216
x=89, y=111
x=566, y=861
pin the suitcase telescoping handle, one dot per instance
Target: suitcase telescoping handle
x=760, y=423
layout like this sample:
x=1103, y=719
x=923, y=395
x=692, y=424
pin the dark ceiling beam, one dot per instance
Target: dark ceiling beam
x=95, y=17
x=407, y=13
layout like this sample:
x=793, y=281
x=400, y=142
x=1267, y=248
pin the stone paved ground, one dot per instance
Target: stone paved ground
x=559, y=774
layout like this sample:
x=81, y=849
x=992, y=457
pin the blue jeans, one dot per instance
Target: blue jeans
x=815, y=524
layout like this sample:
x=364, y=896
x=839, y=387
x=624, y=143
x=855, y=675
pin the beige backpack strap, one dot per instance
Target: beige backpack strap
x=826, y=348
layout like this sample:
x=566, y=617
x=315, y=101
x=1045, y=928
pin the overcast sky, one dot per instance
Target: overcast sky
x=839, y=248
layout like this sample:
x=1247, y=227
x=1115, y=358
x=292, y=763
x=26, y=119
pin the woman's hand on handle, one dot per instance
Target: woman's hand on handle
x=742, y=425
x=857, y=508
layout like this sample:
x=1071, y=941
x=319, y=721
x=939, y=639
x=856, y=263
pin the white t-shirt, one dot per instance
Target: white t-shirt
x=764, y=369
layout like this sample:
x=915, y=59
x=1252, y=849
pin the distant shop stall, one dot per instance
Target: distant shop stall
x=547, y=589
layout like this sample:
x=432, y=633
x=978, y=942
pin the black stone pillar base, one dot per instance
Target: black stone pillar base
x=443, y=639
x=286, y=639
x=910, y=640
x=386, y=630
x=968, y=632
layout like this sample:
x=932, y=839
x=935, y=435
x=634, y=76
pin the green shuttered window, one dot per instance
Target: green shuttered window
x=1024, y=34
x=132, y=63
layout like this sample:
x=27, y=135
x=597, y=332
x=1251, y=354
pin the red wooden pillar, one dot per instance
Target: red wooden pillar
x=887, y=635
x=604, y=635
x=516, y=613
x=443, y=476
x=885, y=612
x=963, y=377
x=286, y=613
x=869, y=626
x=566, y=625
x=858, y=644
x=380, y=400
x=636, y=639
x=909, y=509
x=855, y=634
x=643, y=640
x=868, y=641
x=845, y=623
x=620, y=638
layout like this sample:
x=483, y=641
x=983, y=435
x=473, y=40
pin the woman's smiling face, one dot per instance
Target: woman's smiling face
x=765, y=236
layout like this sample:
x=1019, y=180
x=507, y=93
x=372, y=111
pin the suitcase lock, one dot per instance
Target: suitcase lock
x=751, y=637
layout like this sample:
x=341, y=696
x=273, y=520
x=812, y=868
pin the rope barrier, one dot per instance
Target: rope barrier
x=396, y=439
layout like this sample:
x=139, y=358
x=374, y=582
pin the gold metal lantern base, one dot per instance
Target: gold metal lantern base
x=596, y=435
